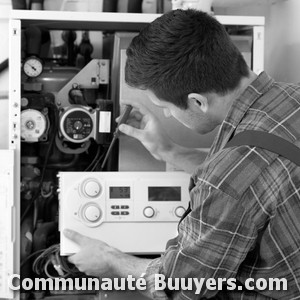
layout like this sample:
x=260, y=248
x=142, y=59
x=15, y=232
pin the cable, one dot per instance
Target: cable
x=50, y=258
x=94, y=160
x=29, y=257
x=97, y=162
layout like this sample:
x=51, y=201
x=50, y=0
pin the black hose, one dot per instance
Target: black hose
x=66, y=165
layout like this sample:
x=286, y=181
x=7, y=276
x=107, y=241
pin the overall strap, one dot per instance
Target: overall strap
x=267, y=141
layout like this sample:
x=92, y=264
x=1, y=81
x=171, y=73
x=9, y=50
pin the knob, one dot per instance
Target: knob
x=92, y=213
x=149, y=212
x=91, y=188
x=179, y=211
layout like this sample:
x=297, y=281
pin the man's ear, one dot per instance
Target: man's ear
x=198, y=101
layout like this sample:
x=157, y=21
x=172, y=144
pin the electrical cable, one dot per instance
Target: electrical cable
x=50, y=257
x=49, y=194
x=29, y=257
x=97, y=162
x=94, y=160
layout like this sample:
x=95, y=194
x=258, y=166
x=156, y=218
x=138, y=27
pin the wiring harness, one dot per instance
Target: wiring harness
x=50, y=263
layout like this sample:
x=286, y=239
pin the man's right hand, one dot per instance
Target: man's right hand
x=146, y=128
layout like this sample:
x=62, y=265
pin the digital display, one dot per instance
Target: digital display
x=164, y=193
x=119, y=192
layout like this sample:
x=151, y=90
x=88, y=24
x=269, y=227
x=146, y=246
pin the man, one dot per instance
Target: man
x=244, y=220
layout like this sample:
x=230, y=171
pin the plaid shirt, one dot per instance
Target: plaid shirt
x=245, y=206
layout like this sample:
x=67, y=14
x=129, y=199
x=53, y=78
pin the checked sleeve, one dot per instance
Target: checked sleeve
x=213, y=240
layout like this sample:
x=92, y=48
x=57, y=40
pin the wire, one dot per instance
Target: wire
x=95, y=159
x=29, y=257
x=49, y=194
x=50, y=258
x=98, y=161
x=108, y=152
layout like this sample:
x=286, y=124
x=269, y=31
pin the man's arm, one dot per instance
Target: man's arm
x=186, y=159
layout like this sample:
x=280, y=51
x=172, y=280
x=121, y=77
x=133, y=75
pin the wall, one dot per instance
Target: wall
x=283, y=53
x=282, y=38
x=5, y=7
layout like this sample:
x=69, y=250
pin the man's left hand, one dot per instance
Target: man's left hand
x=95, y=257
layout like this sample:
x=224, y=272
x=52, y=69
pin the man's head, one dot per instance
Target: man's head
x=184, y=52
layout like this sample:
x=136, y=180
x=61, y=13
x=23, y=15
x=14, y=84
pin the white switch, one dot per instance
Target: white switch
x=179, y=211
x=149, y=212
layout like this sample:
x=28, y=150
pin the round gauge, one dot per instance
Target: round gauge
x=33, y=66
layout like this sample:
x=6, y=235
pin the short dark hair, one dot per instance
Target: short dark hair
x=184, y=51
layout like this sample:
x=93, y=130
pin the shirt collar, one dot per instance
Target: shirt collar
x=239, y=108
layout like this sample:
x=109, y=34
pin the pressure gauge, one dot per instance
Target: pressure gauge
x=33, y=66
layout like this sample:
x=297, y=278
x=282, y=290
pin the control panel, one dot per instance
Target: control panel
x=136, y=212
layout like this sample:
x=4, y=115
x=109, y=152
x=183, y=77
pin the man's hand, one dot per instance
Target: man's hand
x=145, y=127
x=95, y=257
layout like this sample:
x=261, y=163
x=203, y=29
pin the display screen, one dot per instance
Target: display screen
x=119, y=192
x=164, y=193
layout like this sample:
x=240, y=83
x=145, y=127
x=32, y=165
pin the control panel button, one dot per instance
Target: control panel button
x=124, y=213
x=115, y=213
x=91, y=188
x=179, y=211
x=124, y=207
x=92, y=213
x=148, y=212
x=115, y=207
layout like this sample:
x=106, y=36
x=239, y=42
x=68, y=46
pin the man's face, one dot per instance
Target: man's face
x=191, y=117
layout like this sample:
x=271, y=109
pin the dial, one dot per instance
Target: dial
x=148, y=212
x=91, y=188
x=179, y=211
x=33, y=66
x=92, y=213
